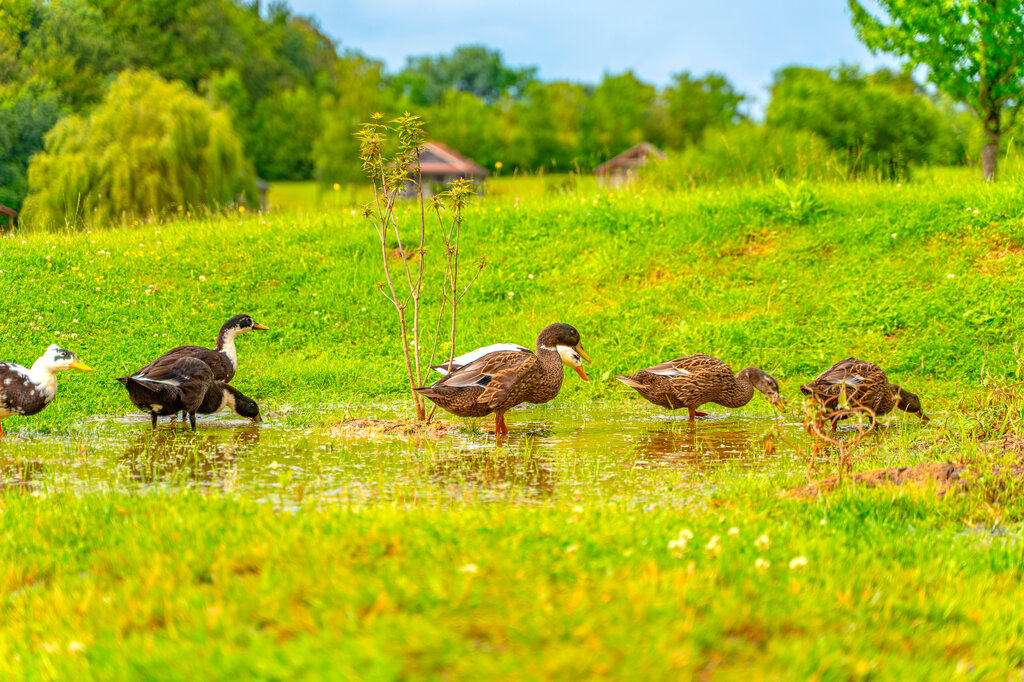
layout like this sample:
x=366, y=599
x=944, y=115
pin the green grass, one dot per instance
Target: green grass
x=178, y=584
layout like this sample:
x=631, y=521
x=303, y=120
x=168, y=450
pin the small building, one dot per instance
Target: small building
x=12, y=217
x=440, y=164
x=622, y=169
x=263, y=186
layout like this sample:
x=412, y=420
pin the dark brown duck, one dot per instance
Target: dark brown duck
x=866, y=387
x=694, y=380
x=498, y=381
x=223, y=358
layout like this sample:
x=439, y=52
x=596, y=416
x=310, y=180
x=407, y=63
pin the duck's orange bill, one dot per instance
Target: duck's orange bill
x=257, y=325
x=78, y=364
x=579, y=370
x=583, y=353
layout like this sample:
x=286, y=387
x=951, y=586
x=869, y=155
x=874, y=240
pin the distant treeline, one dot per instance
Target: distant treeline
x=295, y=99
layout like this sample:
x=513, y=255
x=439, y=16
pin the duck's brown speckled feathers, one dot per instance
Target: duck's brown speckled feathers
x=173, y=384
x=866, y=387
x=694, y=380
x=19, y=394
x=25, y=391
x=222, y=359
x=498, y=381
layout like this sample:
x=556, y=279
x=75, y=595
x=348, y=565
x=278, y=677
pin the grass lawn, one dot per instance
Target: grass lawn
x=175, y=581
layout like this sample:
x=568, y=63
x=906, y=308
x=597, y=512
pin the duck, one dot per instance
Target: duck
x=694, y=380
x=170, y=385
x=866, y=387
x=499, y=380
x=223, y=358
x=25, y=391
x=223, y=395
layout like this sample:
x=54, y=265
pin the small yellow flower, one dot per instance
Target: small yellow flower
x=337, y=186
x=241, y=209
x=498, y=164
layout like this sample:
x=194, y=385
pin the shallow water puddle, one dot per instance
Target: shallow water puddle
x=599, y=452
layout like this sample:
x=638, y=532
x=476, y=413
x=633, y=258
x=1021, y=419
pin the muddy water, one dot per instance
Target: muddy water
x=612, y=452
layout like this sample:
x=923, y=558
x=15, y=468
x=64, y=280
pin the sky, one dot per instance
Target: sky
x=746, y=40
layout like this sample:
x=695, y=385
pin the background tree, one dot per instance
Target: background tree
x=618, y=115
x=973, y=51
x=471, y=68
x=873, y=120
x=26, y=113
x=693, y=105
x=148, y=148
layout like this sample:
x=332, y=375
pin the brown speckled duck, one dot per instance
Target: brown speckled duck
x=697, y=379
x=498, y=381
x=26, y=391
x=866, y=387
x=222, y=359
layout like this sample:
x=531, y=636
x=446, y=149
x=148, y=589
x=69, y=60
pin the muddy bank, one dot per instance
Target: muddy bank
x=941, y=477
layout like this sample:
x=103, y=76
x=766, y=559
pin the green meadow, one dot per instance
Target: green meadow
x=678, y=572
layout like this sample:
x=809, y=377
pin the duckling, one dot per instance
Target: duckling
x=25, y=391
x=170, y=385
x=694, y=380
x=866, y=387
x=223, y=359
x=498, y=381
x=223, y=395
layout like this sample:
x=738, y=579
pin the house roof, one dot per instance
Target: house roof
x=634, y=157
x=439, y=159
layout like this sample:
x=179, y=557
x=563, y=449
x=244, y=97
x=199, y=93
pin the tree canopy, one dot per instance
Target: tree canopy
x=972, y=50
x=150, y=147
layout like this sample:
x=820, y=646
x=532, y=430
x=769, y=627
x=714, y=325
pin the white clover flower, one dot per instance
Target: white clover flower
x=762, y=542
x=797, y=562
x=734, y=531
x=714, y=545
x=468, y=568
x=762, y=564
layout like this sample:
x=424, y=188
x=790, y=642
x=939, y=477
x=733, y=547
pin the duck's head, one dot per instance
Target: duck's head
x=240, y=324
x=909, y=402
x=242, y=404
x=766, y=383
x=565, y=340
x=56, y=359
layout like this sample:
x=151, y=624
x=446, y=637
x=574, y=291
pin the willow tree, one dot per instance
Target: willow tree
x=973, y=51
x=150, y=147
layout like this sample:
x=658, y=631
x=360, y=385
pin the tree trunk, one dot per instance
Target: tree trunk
x=990, y=152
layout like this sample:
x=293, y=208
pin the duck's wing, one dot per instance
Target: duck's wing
x=215, y=360
x=688, y=366
x=495, y=372
x=851, y=372
x=474, y=355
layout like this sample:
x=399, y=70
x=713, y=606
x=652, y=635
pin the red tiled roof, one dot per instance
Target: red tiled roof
x=439, y=159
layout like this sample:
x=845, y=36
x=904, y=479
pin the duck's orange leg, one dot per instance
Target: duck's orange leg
x=499, y=425
x=694, y=414
x=1, y=428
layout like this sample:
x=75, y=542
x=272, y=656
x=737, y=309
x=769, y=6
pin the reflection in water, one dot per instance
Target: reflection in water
x=555, y=453
x=171, y=456
x=19, y=474
x=525, y=475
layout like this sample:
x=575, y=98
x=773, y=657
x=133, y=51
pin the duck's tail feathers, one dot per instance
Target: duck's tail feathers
x=629, y=381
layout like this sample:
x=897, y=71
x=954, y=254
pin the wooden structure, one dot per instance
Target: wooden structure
x=263, y=186
x=12, y=216
x=622, y=169
x=440, y=164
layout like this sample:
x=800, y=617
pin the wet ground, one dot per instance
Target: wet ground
x=616, y=451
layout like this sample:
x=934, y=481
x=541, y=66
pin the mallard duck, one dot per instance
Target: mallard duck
x=223, y=395
x=500, y=380
x=25, y=391
x=170, y=385
x=222, y=359
x=866, y=387
x=697, y=379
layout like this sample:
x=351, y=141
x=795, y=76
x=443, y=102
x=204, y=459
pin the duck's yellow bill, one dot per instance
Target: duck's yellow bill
x=583, y=353
x=257, y=325
x=78, y=364
x=583, y=375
